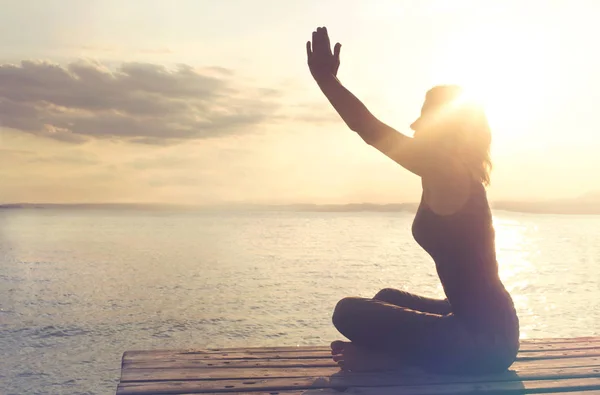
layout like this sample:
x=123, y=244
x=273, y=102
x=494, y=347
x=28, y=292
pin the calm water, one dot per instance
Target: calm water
x=77, y=288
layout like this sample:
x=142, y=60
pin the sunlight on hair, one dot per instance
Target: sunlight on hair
x=465, y=99
x=468, y=97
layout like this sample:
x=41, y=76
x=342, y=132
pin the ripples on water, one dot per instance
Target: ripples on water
x=77, y=288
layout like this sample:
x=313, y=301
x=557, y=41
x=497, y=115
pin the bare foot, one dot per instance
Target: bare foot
x=338, y=346
x=359, y=359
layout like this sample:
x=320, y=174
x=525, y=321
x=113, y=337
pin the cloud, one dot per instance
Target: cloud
x=160, y=162
x=138, y=102
x=14, y=152
x=113, y=49
x=189, y=181
x=66, y=160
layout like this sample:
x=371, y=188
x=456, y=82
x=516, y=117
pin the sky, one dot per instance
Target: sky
x=202, y=101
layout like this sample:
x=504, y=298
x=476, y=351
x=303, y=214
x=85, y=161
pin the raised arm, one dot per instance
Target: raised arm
x=413, y=155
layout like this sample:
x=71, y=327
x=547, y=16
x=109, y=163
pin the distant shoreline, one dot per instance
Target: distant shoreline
x=566, y=207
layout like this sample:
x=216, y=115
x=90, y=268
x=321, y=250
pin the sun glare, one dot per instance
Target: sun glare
x=502, y=67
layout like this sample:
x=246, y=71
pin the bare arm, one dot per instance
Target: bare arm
x=353, y=111
x=402, y=149
x=409, y=153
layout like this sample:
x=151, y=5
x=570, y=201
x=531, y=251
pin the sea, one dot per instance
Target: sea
x=78, y=287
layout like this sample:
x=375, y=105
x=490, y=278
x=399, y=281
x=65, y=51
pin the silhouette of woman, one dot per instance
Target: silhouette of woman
x=476, y=329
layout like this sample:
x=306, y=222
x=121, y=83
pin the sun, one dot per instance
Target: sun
x=504, y=67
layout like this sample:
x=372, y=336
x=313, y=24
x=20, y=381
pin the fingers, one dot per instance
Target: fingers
x=336, y=51
x=326, y=43
x=308, y=50
x=320, y=41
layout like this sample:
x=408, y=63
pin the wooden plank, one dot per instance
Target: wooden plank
x=543, y=341
x=372, y=387
x=129, y=357
x=319, y=351
x=288, y=392
x=505, y=388
x=262, y=349
x=316, y=363
x=526, y=373
x=589, y=392
x=563, y=339
x=351, y=391
x=266, y=363
x=526, y=356
x=375, y=392
x=291, y=370
x=560, y=346
x=526, y=344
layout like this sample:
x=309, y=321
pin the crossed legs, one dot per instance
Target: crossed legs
x=397, y=328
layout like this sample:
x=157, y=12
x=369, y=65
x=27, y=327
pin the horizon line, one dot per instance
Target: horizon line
x=573, y=206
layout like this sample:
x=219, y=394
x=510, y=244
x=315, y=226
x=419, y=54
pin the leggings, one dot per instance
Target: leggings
x=424, y=333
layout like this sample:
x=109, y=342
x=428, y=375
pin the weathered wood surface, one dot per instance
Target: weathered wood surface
x=570, y=366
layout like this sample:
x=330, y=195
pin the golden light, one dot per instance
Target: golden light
x=514, y=247
x=505, y=67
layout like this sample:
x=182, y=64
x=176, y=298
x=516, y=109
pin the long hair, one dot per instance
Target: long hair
x=462, y=125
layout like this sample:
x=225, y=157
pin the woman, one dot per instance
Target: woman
x=476, y=329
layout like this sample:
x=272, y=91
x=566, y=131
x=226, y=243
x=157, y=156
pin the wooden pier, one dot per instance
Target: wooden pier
x=543, y=366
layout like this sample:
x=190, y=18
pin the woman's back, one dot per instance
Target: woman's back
x=463, y=248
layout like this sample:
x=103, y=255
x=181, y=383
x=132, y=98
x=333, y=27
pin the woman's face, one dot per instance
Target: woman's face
x=424, y=124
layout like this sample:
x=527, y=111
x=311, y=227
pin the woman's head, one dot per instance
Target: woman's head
x=453, y=122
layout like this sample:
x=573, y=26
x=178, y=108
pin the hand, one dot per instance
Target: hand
x=321, y=61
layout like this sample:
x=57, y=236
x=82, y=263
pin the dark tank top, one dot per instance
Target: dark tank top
x=463, y=248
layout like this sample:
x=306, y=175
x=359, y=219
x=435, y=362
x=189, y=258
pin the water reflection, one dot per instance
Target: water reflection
x=81, y=287
x=514, y=248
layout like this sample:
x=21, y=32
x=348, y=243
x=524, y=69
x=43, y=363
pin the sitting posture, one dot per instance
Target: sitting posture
x=475, y=330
